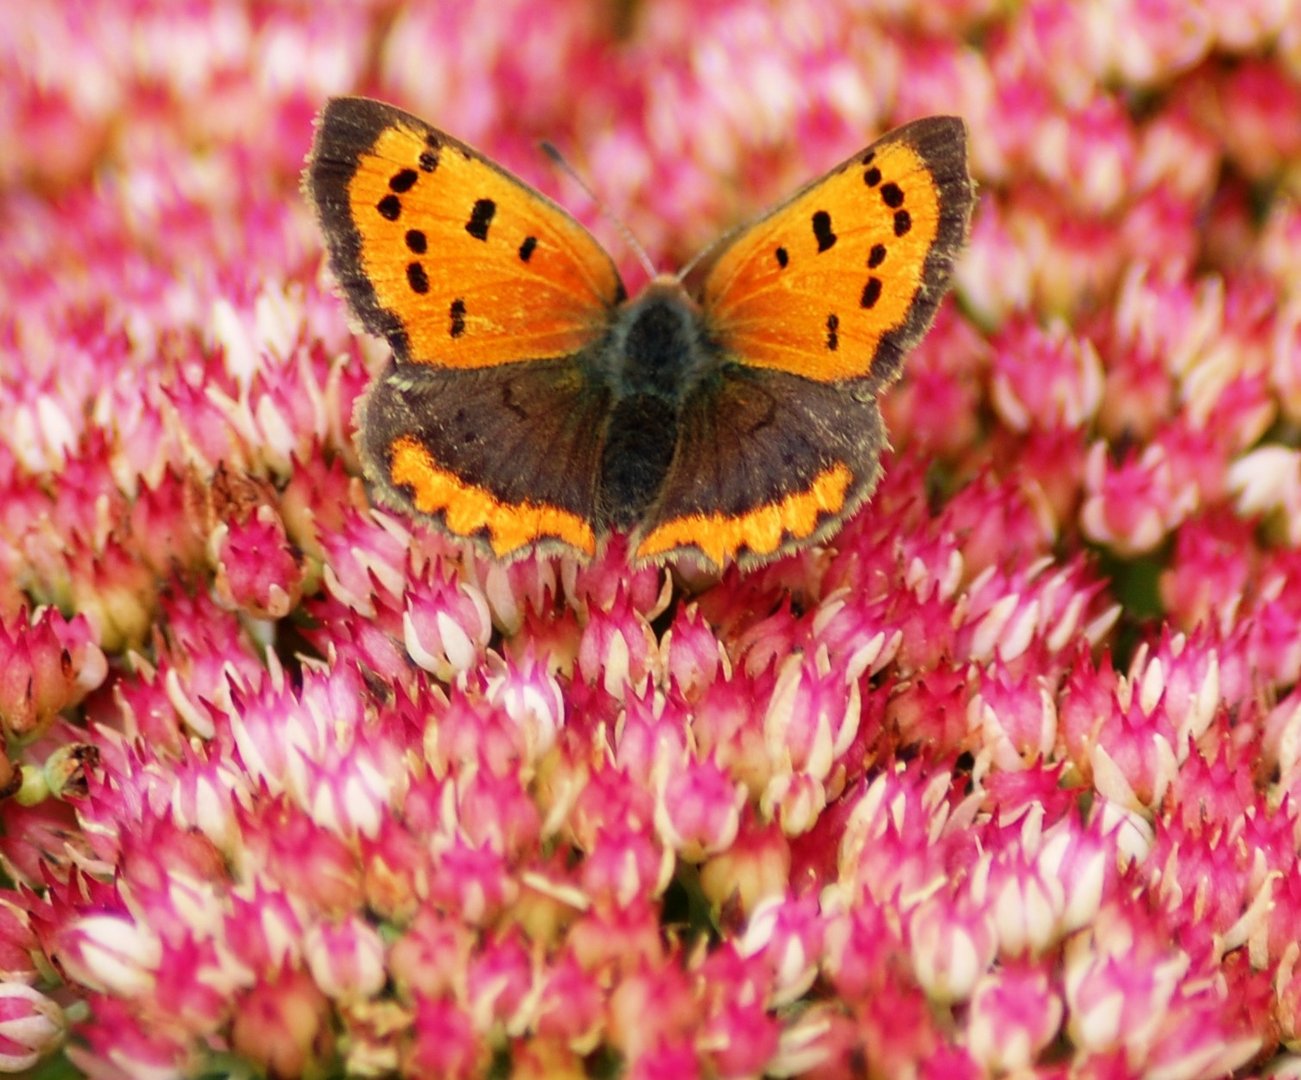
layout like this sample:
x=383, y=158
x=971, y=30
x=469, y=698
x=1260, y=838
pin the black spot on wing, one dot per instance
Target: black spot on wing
x=822, y=231
x=389, y=207
x=417, y=242
x=833, y=332
x=457, y=314
x=403, y=180
x=527, y=248
x=417, y=278
x=876, y=256
x=480, y=218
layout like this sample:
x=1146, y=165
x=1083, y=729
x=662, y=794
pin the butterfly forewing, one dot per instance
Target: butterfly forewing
x=843, y=278
x=455, y=261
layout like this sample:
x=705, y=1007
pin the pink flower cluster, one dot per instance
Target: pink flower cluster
x=1004, y=780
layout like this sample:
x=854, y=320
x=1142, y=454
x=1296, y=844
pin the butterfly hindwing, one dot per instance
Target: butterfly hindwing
x=766, y=462
x=842, y=279
x=506, y=455
x=456, y=262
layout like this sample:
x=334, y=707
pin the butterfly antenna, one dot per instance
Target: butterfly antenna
x=558, y=159
x=697, y=257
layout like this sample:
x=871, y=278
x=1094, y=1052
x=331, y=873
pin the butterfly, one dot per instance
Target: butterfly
x=531, y=405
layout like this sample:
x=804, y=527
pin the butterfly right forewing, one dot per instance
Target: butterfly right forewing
x=841, y=280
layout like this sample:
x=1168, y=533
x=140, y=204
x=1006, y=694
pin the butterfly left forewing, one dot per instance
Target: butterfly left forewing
x=456, y=262
x=841, y=280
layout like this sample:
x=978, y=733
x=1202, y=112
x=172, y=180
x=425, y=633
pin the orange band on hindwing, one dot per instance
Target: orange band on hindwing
x=761, y=531
x=466, y=510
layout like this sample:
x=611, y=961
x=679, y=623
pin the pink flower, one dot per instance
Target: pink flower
x=934, y=408
x=1160, y=38
x=698, y=810
x=691, y=653
x=256, y=569
x=996, y=275
x=46, y=665
x=281, y=1025
x=951, y=945
x=445, y=627
x=617, y=649
x=1206, y=579
x=1257, y=104
x=346, y=959
x=1017, y=718
x=110, y=953
x=1014, y=1015
x=499, y=984
x=572, y=1004
x=1044, y=379
x=652, y=1011
x=31, y=1026
x=812, y=717
x=787, y=935
x=122, y=1043
x=623, y=865
x=1133, y=504
x=1110, y=1002
x=756, y=865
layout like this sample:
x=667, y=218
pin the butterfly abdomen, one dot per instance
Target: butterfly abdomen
x=640, y=438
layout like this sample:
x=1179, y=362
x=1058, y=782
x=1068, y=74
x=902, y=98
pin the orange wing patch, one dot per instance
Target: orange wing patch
x=763, y=531
x=457, y=262
x=468, y=511
x=816, y=286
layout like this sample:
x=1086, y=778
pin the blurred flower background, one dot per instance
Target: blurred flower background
x=1004, y=781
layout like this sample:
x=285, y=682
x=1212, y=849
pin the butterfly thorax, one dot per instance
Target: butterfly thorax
x=654, y=360
x=656, y=346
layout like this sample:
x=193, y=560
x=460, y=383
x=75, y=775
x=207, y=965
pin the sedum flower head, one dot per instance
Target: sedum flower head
x=1001, y=780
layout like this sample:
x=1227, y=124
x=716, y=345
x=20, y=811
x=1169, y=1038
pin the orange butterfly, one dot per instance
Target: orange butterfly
x=530, y=405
